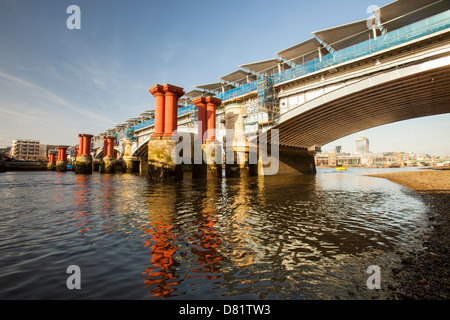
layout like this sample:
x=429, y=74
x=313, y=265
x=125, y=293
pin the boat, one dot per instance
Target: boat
x=341, y=168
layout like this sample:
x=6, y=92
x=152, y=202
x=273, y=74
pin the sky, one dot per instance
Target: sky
x=56, y=82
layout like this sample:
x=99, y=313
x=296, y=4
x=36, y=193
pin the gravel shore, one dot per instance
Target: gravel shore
x=425, y=274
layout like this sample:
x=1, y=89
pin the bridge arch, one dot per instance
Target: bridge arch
x=396, y=94
x=141, y=149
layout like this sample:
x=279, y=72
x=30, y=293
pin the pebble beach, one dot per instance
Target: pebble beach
x=425, y=273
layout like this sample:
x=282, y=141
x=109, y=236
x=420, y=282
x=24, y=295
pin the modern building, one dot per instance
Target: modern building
x=362, y=145
x=25, y=149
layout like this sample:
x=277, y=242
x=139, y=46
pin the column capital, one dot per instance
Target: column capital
x=156, y=90
x=177, y=91
x=199, y=101
x=213, y=100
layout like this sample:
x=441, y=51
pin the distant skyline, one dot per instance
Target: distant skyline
x=56, y=82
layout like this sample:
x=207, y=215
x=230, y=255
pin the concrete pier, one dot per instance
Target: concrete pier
x=160, y=146
x=61, y=162
x=160, y=164
x=108, y=164
x=83, y=164
x=236, y=144
x=51, y=165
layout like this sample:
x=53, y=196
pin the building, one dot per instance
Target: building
x=44, y=149
x=25, y=149
x=362, y=145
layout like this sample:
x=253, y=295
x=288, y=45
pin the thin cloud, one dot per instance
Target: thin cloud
x=54, y=99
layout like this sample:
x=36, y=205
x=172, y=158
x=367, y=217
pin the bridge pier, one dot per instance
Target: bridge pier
x=61, y=162
x=51, y=165
x=206, y=143
x=108, y=163
x=83, y=164
x=160, y=146
x=143, y=165
x=236, y=147
x=291, y=161
x=130, y=164
x=160, y=164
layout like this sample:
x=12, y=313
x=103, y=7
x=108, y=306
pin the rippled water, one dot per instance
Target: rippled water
x=291, y=237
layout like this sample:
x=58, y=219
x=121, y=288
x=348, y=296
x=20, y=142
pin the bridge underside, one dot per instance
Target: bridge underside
x=421, y=94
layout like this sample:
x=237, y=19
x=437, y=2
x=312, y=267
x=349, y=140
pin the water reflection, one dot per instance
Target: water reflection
x=265, y=237
x=161, y=273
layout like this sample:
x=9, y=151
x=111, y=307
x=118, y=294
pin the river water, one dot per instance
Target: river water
x=290, y=237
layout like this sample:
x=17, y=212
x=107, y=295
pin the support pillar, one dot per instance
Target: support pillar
x=108, y=163
x=84, y=159
x=143, y=165
x=200, y=103
x=172, y=94
x=211, y=105
x=158, y=92
x=160, y=164
x=61, y=162
x=129, y=162
x=236, y=144
x=51, y=165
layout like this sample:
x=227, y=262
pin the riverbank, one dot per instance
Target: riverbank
x=425, y=274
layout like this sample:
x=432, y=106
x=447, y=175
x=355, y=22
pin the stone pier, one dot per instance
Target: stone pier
x=211, y=155
x=61, y=162
x=160, y=146
x=108, y=164
x=83, y=164
x=236, y=144
x=51, y=165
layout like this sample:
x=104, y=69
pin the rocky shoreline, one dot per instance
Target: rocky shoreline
x=425, y=274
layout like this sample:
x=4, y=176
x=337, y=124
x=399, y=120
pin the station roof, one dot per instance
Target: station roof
x=238, y=75
x=303, y=52
x=261, y=66
x=403, y=12
x=393, y=16
x=216, y=86
x=346, y=35
x=193, y=93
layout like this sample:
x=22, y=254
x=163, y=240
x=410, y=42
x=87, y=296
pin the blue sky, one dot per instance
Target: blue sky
x=56, y=82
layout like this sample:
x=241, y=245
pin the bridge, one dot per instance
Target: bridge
x=342, y=80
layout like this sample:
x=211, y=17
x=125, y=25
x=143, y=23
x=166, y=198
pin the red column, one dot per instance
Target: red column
x=62, y=153
x=110, y=150
x=200, y=103
x=168, y=116
x=158, y=92
x=51, y=158
x=211, y=104
x=80, y=147
x=105, y=145
x=172, y=94
x=87, y=144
